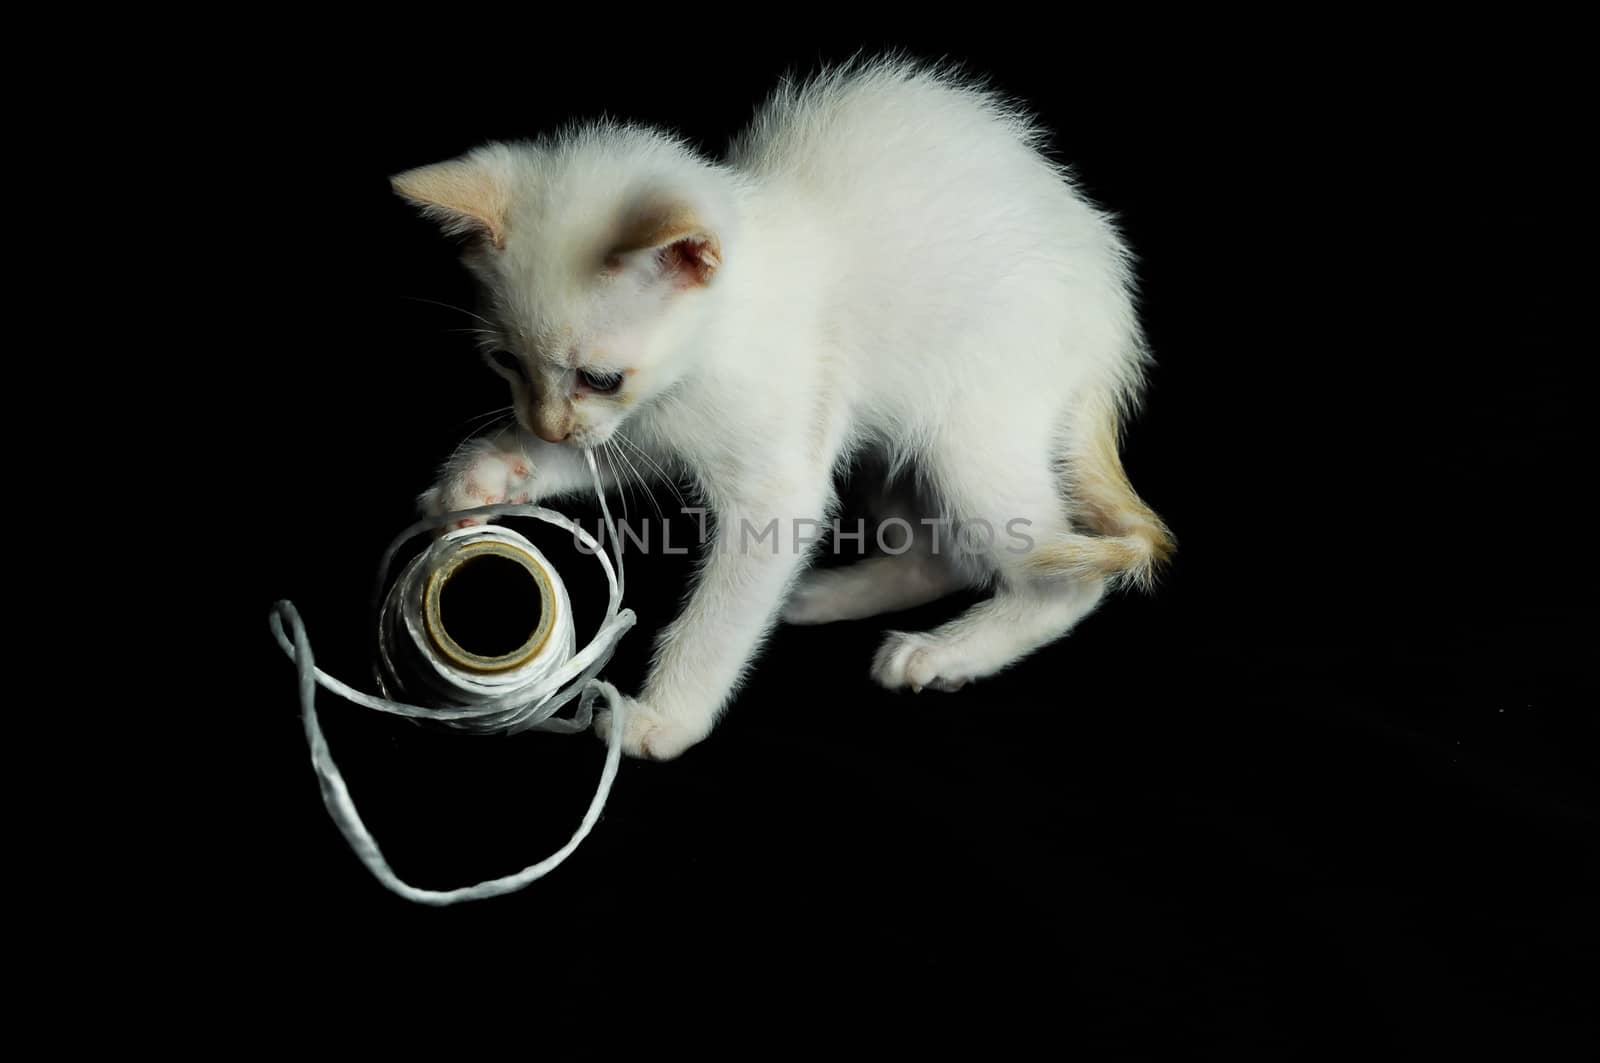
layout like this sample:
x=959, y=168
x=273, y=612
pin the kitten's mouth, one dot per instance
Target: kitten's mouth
x=590, y=438
x=583, y=438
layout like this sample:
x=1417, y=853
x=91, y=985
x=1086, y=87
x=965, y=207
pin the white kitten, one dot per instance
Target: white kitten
x=886, y=265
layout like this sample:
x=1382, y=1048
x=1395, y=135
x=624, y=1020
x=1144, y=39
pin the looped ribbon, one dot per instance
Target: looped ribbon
x=524, y=698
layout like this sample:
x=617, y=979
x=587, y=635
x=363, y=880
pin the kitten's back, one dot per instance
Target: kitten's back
x=859, y=134
x=882, y=116
x=946, y=221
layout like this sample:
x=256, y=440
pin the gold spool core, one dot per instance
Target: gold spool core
x=465, y=658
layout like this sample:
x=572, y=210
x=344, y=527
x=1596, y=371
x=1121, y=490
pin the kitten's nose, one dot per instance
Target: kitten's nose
x=552, y=425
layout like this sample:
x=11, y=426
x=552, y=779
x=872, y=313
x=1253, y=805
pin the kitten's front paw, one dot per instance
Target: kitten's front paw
x=487, y=477
x=647, y=734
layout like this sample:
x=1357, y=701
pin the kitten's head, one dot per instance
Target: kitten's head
x=596, y=255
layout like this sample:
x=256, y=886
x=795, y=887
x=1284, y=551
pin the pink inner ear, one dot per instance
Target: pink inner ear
x=692, y=260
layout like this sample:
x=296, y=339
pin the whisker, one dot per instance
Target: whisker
x=479, y=433
x=643, y=486
x=605, y=452
x=630, y=474
x=660, y=472
x=448, y=306
x=492, y=413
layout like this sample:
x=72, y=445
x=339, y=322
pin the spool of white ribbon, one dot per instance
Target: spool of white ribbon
x=524, y=695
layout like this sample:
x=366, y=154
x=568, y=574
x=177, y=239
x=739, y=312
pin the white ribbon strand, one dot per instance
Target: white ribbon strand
x=526, y=697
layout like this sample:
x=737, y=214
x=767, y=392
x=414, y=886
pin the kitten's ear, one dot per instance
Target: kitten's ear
x=471, y=194
x=685, y=249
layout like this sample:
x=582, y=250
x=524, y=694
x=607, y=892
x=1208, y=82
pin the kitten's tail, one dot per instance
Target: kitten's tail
x=1131, y=543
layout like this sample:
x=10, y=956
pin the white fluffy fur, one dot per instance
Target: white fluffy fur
x=885, y=267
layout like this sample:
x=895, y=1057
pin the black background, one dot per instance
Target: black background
x=1333, y=781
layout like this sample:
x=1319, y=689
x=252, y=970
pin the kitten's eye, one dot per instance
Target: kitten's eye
x=599, y=381
x=507, y=361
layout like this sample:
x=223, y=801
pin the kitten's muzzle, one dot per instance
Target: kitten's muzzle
x=552, y=423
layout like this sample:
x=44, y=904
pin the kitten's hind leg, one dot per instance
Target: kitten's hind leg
x=884, y=584
x=913, y=574
x=1004, y=512
x=1018, y=620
